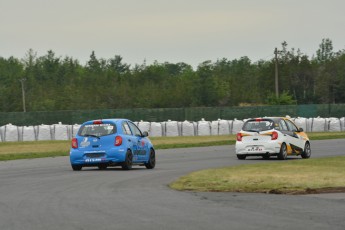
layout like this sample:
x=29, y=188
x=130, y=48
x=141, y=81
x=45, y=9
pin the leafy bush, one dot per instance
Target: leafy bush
x=284, y=99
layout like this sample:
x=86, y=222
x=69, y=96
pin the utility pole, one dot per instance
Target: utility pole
x=276, y=72
x=23, y=92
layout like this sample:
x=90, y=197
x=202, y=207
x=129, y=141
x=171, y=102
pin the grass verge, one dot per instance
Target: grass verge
x=38, y=149
x=33, y=149
x=195, y=141
x=201, y=141
x=17, y=156
x=287, y=177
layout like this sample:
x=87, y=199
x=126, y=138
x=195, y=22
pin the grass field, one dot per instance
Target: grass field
x=288, y=177
x=36, y=149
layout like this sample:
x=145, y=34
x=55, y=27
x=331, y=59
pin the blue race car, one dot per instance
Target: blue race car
x=111, y=142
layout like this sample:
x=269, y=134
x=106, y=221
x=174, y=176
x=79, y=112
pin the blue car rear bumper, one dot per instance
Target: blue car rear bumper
x=85, y=158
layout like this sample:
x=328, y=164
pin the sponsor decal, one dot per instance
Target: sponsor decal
x=140, y=152
x=85, y=142
x=93, y=160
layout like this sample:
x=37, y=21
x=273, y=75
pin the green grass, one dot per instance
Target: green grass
x=193, y=141
x=326, y=135
x=295, y=176
x=199, y=141
x=33, y=149
x=38, y=149
x=17, y=156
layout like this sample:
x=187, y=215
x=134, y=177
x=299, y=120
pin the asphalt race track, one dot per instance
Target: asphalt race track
x=46, y=194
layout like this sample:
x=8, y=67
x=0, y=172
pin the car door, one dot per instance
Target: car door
x=297, y=142
x=140, y=146
x=131, y=139
x=288, y=139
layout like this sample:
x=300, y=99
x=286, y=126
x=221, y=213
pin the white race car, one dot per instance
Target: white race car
x=271, y=136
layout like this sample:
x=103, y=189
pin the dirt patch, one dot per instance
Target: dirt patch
x=310, y=191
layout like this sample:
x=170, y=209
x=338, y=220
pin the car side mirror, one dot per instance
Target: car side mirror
x=300, y=130
x=145, y=134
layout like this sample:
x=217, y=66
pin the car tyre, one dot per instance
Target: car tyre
x=76, y=167
x=127, y=164
x=282, y=155
x=266, y=156
x=152, y=160
x=241, y=157
x=102, y=167
x=307, y=151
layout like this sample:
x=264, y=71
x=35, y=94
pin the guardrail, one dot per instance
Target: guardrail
x=61, y=131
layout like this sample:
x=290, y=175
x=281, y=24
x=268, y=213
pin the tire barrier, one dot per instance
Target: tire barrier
x=168, y=128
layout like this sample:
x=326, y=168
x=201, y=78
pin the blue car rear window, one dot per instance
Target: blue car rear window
x=97, y=130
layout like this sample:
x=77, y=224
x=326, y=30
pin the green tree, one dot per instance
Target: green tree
x=325, y=51
x=93, y=65
x=115, y=65
x=11, y=71
x=325, y=72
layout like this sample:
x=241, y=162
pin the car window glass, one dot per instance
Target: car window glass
x=282, y=125
x=291, y=126
x=135, y=129
x=125, y=128
x=277, y=125
x=97, y=130
x=257, y=126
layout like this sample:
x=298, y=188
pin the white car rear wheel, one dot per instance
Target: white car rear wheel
x=241, y=157
x=282, y=155
x=266, y=156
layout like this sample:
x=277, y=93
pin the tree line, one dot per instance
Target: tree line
x=53, y=83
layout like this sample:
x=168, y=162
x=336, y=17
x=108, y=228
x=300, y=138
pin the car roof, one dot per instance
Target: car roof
x=108, y=120
x=275, y=119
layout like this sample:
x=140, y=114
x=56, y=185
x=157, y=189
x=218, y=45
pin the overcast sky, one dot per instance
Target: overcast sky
x=190, y=31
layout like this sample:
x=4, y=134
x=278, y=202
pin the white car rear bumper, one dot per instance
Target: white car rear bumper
x=259, y=148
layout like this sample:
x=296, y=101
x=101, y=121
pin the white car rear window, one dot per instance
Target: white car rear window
x=258, y=126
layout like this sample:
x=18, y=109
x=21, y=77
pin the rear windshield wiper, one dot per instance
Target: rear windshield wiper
x=252, y=130
x=91, y=135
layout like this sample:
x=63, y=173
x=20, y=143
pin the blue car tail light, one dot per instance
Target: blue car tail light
x=75, y=143
x=118, y=140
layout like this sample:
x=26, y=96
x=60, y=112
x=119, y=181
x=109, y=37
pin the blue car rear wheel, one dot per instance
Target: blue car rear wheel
x=127, y=164
x=102, y=167
x=152, y=161
x=76, y=167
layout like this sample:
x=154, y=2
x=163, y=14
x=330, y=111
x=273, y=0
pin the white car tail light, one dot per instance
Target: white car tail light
x=274, y=135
